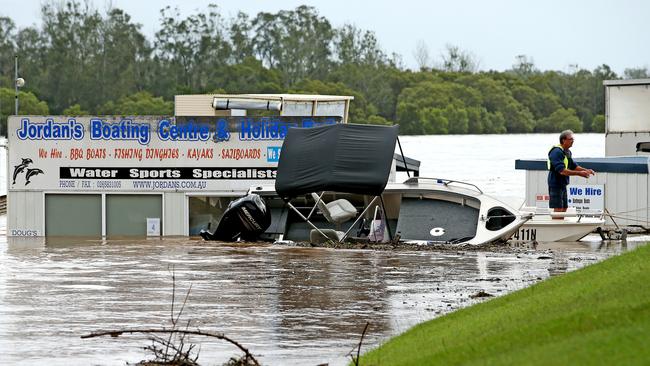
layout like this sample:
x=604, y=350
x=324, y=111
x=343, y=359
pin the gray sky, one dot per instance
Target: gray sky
x=555, y=33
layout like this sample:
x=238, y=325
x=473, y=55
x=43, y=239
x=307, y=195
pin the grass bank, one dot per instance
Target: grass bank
x=596, y=315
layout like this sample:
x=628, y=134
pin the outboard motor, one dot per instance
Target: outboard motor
x=245, y=218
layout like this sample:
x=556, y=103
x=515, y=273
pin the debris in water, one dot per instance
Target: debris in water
x=480, y=294
x=493, y=279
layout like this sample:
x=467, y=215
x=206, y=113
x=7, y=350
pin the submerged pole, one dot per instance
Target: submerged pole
x=403, y=158
x=383, y=206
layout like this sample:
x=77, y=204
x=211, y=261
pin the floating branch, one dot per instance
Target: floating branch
x=117, y=333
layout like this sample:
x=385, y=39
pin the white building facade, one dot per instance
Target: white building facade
x=149, y=175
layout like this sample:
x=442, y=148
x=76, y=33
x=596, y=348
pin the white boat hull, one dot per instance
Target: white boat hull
x=545, y=229
x=429, y=211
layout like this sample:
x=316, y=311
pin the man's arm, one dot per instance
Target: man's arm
x=556, y=156
x=585, y=173
x=581, y=169
x=574, y=169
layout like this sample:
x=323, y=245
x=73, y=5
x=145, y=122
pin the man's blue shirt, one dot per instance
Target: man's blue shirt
x=556, y=156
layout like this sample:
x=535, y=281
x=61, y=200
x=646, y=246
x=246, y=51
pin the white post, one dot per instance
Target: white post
x=16, y=81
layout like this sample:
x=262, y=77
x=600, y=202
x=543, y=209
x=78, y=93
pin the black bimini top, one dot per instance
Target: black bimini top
x=347, y=158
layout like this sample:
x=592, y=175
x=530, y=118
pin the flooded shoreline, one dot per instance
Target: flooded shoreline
x=288, y=305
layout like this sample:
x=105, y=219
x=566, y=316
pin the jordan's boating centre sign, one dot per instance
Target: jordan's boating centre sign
x=147, y=153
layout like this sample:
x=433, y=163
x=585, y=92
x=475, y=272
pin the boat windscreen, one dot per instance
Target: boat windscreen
x=348, y=158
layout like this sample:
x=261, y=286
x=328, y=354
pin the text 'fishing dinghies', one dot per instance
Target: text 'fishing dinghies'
x=549, y=226
x=333, y=180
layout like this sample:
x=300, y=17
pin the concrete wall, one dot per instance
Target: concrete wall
x=624, y=143
x=174, y=210
x=25, y=211
x=627, y=115
x=628, y=106
x=197, y=105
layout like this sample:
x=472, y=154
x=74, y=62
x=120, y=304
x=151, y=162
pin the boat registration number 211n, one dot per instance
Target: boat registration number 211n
x=525, y=235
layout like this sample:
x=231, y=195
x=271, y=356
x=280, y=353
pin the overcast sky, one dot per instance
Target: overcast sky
x=554, y=33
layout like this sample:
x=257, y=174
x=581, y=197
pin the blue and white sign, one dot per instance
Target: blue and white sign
x=273, y=154
x=586, y=198
x=147, y=153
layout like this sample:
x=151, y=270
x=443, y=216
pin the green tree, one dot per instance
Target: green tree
x=122, y=59
x=379, y=84
x=378, y=120
x=357, y=47
x=72, y=33
x=581, y=90
x=295, y=42
x=598, y=123
x=433, y=121
x=494, y=123
x=636, y=73
x=455, y=59
x=31, y=48
x=524, y=66
x=497, y=98
x=191, y=51
x=248, y=76
x=408, y=116
x=29, y=105
x=539, y=104
x=138, y=104
x=82, y=60
x=560, y=120
x=75, y=111
x=361, y=64
x=463, y=107
x=457, y=118
x=518, y=118
x=7, y=50
x=80, y=56
x=241, y=38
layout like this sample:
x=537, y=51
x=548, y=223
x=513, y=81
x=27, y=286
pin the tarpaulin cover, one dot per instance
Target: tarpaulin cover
x=345, y=158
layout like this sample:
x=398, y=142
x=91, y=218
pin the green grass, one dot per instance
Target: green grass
x=596, y=315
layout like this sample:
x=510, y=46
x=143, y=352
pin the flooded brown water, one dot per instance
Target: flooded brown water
x=288, y=305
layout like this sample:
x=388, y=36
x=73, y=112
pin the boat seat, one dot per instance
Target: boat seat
x=337, y=211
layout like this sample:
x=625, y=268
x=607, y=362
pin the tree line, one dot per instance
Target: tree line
x=82, y=61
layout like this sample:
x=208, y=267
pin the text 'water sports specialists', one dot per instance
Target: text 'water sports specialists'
x=167, y=173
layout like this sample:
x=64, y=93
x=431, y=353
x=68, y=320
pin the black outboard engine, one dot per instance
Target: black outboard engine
x=245, y=218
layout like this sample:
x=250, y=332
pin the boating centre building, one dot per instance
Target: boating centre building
x=150, y=175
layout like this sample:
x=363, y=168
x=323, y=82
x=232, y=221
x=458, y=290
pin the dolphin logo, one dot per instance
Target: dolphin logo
x=21, y=167
x=31, y=173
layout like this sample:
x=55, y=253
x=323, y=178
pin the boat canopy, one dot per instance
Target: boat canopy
x=347, y=158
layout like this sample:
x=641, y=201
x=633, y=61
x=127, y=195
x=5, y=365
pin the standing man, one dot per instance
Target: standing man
x=560, y=167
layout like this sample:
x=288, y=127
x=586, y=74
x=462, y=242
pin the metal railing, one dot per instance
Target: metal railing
x=445, y=182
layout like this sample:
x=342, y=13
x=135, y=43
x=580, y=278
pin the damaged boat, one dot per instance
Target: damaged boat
x=548, y=226
x=332, y=184
x=419, y=210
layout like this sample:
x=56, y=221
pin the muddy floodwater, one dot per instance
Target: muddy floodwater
x=288, y=305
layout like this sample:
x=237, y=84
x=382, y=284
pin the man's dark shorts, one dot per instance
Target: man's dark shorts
x=558, y=197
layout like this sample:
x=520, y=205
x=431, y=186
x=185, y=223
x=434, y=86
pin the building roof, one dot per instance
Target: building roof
x=286, y=97
x=626, y=82
x=609, y=164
